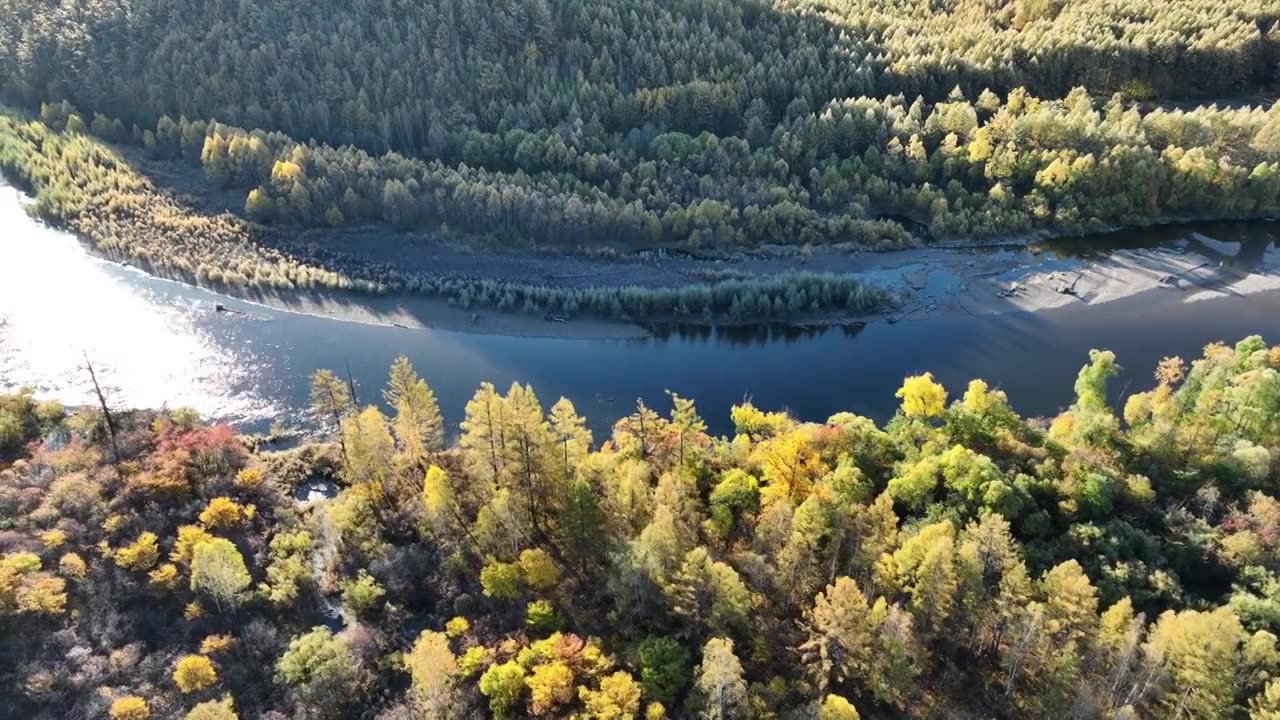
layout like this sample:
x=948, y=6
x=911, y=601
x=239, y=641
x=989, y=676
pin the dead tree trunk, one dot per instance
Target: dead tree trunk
x=106, y=416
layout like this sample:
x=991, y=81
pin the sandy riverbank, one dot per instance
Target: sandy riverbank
x=1190, y=265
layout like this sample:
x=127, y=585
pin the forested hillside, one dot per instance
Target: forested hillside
x=959, y=561
x=403, y=75
x=696, y=124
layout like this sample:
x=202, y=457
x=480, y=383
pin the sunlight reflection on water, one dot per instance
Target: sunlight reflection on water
x=58, y=303
x=156, y=342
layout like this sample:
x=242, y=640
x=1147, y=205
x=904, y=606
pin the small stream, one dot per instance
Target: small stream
x=156, y=342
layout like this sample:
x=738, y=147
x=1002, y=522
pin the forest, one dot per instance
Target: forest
x=1117, y=560
x=86, y=186
x=702, y=124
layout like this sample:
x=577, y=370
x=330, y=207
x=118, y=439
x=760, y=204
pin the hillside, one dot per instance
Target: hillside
x=711, y=125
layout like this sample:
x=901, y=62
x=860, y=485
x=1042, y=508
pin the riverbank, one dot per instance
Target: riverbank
x=1183, y=261
x=416, y=313
x=929, y=282
x=1030, y=274
x=98, y=192
x=169, y=219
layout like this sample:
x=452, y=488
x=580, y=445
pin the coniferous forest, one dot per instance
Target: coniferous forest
x=959, y=561
x=692, y=124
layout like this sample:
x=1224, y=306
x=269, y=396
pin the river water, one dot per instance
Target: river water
x=154, y=342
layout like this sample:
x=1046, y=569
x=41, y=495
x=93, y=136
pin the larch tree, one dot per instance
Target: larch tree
x=218, y=570
x=926, y=573
x=485, y=427
x=371, y=464
x=330, y=400
x=719, y=683
x=838, y=630
x=569, y=430
x=433, y=671
x=1200, y=651
x=418, y=424
x=708, y=594
x=685, y=421
x=528, y=443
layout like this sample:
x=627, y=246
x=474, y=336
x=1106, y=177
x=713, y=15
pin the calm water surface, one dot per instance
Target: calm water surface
x=156, y=342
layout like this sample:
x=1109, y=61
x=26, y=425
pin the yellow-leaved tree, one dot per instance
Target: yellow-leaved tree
x=218, y=569
x=922, y=397
x=194, y=673
x=129, y=707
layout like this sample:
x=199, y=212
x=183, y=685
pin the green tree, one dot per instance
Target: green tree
x=500, y=581
x=362, y=595
x=322, y=672
x=664, y=668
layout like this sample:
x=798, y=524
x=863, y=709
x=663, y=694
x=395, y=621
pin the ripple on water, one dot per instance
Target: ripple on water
x=147, y=344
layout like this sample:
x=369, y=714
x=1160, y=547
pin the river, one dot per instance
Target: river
x=154, y=342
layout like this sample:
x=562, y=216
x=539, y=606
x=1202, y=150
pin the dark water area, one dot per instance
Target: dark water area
x=158, y=342
x=1247, y=242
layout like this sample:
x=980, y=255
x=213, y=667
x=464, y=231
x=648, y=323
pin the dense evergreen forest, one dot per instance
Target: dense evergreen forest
x=705, y=124
x=959, y=561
